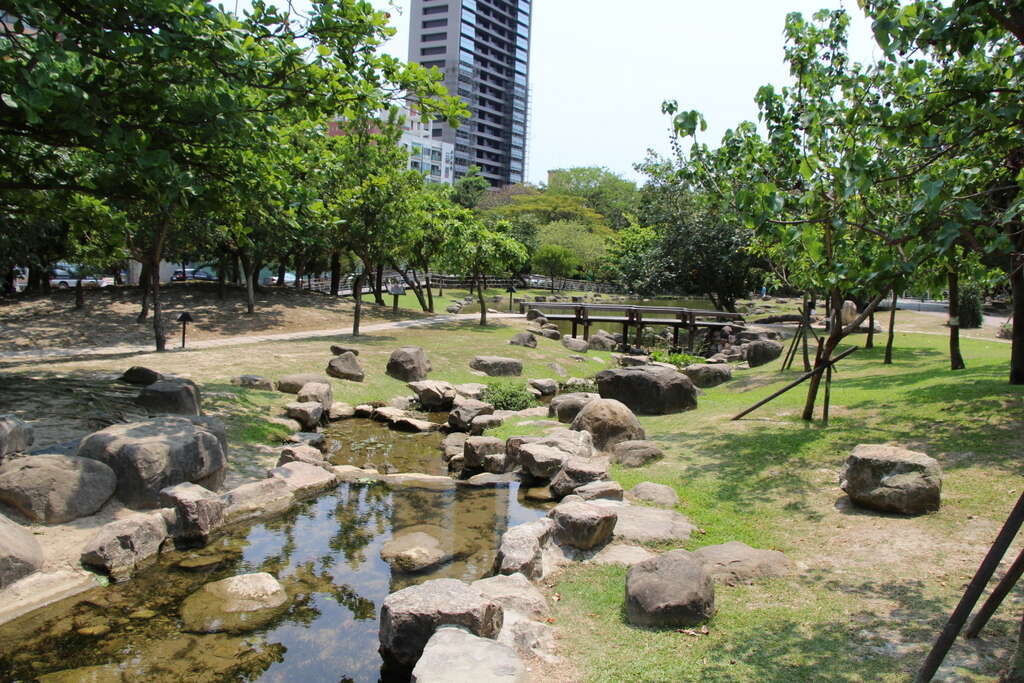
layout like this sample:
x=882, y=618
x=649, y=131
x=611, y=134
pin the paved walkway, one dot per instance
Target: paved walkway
x=66, y=353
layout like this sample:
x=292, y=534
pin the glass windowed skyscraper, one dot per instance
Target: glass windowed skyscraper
x=483, y=49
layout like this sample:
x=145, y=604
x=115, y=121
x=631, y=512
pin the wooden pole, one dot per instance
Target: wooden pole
x=999, y=593
x=795, y=382
x=972, y=593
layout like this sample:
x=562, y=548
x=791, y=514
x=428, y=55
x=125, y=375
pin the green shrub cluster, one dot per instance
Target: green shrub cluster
x=508, y=396
x=680, y=360
x=971, y=315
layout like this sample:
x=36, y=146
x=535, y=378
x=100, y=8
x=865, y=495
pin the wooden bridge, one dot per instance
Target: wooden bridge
x=638, y=317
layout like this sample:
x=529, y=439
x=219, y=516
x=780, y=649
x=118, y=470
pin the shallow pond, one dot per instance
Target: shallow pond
x=367, y=443
x=325, y=552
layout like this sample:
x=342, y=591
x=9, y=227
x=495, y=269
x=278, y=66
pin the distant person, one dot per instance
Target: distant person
x=764, y=290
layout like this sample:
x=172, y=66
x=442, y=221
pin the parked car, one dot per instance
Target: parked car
x=193, y=274
x=63, y=278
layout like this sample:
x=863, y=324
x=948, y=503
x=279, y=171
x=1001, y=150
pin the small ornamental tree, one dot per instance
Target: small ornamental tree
x=555, y=261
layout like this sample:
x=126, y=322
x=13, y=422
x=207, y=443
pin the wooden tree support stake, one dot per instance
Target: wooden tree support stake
x=798, y=380
x=1000, y=592
x=972, y=593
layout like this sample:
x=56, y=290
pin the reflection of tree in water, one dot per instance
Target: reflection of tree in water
x=285, y=526
x=362, y=514
x=309, y=582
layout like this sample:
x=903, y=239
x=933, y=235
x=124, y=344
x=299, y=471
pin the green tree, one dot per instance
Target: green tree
x=555, y=261
x=587, y=242
x=470, y=188
x=605, y=192
x=479, y=251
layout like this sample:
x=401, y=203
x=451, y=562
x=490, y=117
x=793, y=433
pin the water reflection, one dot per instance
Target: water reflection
x=326, y=553
x=361, y=442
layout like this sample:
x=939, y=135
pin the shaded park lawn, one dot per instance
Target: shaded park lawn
x=869, y=591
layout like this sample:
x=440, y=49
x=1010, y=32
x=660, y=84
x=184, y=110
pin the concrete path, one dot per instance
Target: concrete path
x=67, y=353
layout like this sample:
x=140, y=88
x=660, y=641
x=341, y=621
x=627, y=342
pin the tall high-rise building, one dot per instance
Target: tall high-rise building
x=483, y=49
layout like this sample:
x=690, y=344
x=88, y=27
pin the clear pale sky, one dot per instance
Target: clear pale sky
x=600, y=69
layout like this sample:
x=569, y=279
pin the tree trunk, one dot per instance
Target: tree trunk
x=236, y=272
x=335, y=272
x=413, y=284
x=430, y=293
x=1017, y=348
x=222, y=278
x=892, y=329
x=869, y=343
x=483, y=305
x=145, y=283
x=300, y=272
x=956, y=361
x=159, y=335
x=378, y=286
x=249, y=265
x=357, y=294
x=282, y=272
x=79, y=295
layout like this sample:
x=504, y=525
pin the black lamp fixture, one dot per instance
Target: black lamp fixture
x=185, y=318
x=511, y=290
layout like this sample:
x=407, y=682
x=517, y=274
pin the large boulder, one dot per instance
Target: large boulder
x=642, y=524
x=477, y=448
x=140, y=376
x=672, y=589
x=635, y=453
x=56, y=488
x=521, y=548
x=583, y=525
x=292, y=384
x=198, y=511
x=454, y=654
x=253, y=382
x=413, y=550
x=762, y=351
x=20, y=552
x=174, y=396
x=497, y=366
x=408, y=364
x=150, y=456
x=655, y=494
x=317, y=391
x=461, y=418
x=533, y=314
x=15, y=435
x=707, y=375
x=345, y=366
x=257, y=499
x=546, y=387
x=648, y=389
x=603, y=341
x=309, y=414
x=892, y=479
x=577, y=472
x=609, y=422
x=566, y=407
x=434, y=395
x=523, y=339
x=541, y=461
x=235, y=605
x=409, y=617
x=575, y=345
x=119, y=547
x=514, y=592
x=736, y=562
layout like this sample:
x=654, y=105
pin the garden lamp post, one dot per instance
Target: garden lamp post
x=511, y=290
x=185, y=318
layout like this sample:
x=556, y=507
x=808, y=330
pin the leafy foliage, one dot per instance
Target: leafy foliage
x=508, y=396
x=680, y=360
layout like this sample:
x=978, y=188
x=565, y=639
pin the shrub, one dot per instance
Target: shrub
x=971, y=315
x=508, y=396
x=1005, y=331
x=680, y=360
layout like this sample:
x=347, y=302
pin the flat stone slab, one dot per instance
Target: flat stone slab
x=413, y=551
x=256, y=499
x=304, y=480
x=736, y=562
x=454, y=654
x=641, y=524
x=514, y=592
x=620, y=553
x=235, y=604
x=497, y=366
x=655, y=494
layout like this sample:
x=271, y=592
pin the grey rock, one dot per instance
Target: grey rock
x=762, y=351
x=609, y=422
x=635, y=453
x=706, y=375
x=308, y=413
x=607, y=490
x=338, y=350
x=454, y=654
x=736, y=562
x=648, y=390
x=319, y=392
x=541, y=461
x=524, y=339
x=583, y=525
x=567, y=406
x=482, y=423
x=461, y=418
x=892, y=479
x=234, y=605
x=546, y=387
x=346, y=366
x=56, y=488
x=471, y=390
x=291, y=384
x=547, y=333
x=20, y=552
x=602, y=341
x=520, y=549
x=577, y=472
x=575, y=345
x=657, y=494
x=414, y=425
x=257, y=499
x=642, y=524
x=571, y=442
x=533, y=314
x=434, y=395
x=476, y=448
x=304, y=480
x=634, y=361
x=408, y=364
x=177, y=397
x=16, y=435
x=120, y=547
x=409, y=617
x=314, y=439
x=140, y=375
x=340, y=411
x=453, y=444
x=527, y=637
x=302, y=453
x=514, y=592
x=412, y=551
x=620, y=553
x=150, y=456
x=253, y=382
x=199, y=511
x=672, y=589
x=497, y=366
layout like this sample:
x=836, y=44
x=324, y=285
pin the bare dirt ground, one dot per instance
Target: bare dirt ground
x=109, y=316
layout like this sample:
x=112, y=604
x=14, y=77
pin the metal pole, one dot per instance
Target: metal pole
x=972, y=593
